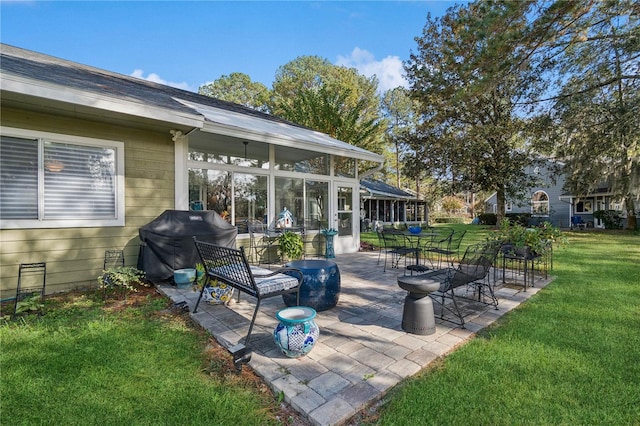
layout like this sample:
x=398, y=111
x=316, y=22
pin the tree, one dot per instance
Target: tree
x=452, y=204
x=238, y=88
x=331, y=99
x=598, y=107
x=398, y=109
x=471, y=76
x=326, y=111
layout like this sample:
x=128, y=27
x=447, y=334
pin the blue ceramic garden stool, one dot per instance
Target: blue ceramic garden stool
x=296, y=333
x=320, y=287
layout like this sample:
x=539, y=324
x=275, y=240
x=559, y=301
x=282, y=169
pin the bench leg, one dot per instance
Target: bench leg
x=206, y=281
x=241, y=355
x=253, y=320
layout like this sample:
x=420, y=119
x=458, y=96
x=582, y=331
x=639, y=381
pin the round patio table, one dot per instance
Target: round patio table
x=320, y=287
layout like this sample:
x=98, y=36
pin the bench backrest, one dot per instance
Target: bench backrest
x=475, y=264
x=228, y=265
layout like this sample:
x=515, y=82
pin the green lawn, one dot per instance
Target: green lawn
x=569, y=355
x=89, y=363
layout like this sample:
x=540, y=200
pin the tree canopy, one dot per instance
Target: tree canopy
x=238, y=88
x=501, y=84
x=470, y=80
x=332, y=99
x=598, y=106
x=399, y=111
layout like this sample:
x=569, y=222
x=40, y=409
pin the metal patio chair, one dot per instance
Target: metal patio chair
x=261, y=244
x=472, y=270
x=396, y=245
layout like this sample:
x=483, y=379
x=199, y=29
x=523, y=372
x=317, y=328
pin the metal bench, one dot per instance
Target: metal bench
x=230, y=266
x=472, y=270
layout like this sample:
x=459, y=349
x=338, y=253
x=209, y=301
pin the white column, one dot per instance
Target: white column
x=181, y=150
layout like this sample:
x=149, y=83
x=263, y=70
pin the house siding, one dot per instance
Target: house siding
x=559, y=210
x=75, y=256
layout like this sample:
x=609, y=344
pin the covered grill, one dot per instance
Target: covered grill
x=166, y=243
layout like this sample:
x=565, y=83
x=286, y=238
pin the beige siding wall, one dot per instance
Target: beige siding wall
x=75, y=256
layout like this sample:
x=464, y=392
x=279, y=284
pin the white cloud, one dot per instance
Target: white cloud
x=389, y=70
x=155, y=78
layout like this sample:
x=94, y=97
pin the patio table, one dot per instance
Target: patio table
x=414, y=241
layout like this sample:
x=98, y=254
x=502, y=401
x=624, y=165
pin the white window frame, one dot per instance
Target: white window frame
x=41, y=137
x=585, y=202
x=534, y=213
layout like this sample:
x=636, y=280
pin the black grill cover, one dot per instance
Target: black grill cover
x=166, y=243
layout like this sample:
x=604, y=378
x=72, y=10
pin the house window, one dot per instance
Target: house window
x=584, y=206
x=317, y=196
x=300, y=160
x=290, y=194
x=540, y=204
x=56, y=181
x=345, y=167
x=250, y=198
x=508, y=206
x=211, y=190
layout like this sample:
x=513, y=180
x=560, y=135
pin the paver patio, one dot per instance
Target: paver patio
x=362, y=351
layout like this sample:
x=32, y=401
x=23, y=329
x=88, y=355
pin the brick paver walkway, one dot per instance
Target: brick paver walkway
x=362, y=351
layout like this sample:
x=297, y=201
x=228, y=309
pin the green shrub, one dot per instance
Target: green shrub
x=123, y=277
x=612, y=218
x=31, y=303
x=521, y=218
x=537, y=239
x=460, y=220
x=488, y=219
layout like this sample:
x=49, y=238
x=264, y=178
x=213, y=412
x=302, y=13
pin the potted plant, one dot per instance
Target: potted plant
x=290, y=246
x=526, y=242
x=199, y=274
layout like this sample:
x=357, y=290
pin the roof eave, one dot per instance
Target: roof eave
x=39, y=89
x=259, y=129
x=282, y=140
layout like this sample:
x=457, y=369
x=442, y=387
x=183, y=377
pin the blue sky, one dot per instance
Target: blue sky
x=187, y=44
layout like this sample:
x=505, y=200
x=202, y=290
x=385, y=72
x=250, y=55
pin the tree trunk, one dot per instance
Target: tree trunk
x=501, y=201
x=397, y=164
x=632, y=222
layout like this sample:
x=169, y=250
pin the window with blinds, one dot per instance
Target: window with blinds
x=18, y=178
x=78, y=181
x=47, y=180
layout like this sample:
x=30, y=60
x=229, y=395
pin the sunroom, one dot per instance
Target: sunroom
x=250, y=168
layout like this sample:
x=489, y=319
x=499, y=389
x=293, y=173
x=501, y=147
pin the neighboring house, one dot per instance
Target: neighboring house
x=385, y=203
x=88, y=156
x=550, y=202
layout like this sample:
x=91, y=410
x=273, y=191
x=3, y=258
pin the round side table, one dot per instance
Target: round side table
x=417, y=315
x=320, y=287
